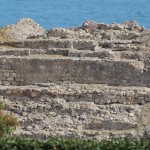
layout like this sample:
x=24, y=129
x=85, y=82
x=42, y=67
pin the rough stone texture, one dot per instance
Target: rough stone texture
x=90, y=82
x=23, y=29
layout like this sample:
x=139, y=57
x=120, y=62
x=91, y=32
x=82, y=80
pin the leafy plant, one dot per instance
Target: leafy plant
x=57, y=143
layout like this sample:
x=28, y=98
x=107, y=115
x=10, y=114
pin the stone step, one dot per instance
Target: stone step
x=49, y=68
x=105, y=54
x=80, y=44
x=72, y=92
x=20, y=51
x=52, y=43
x=48, y=109
x=38, y=133
x=102, y=53
x=121, y=45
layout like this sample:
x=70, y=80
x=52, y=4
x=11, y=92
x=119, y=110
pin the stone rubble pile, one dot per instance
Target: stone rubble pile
x=89, y=82
x=23, y=29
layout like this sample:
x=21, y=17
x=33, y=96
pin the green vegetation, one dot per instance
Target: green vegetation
x=18, y=143
x=8, y=122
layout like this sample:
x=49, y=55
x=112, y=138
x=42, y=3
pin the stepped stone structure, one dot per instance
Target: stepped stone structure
x=91, y=81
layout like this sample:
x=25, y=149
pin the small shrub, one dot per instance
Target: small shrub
x=8, y=122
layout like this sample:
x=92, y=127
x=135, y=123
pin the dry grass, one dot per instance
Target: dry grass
x=8, y=122
x=4, y=36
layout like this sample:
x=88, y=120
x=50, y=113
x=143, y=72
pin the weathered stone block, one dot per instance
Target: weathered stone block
x=84, y=45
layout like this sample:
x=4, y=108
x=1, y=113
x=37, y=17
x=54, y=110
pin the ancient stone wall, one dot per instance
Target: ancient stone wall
x=29, y=70
x=90, y=82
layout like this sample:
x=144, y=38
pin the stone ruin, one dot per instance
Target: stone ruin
x=91, y=81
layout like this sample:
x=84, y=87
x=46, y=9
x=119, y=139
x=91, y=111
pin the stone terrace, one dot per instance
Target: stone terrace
x=91, y=82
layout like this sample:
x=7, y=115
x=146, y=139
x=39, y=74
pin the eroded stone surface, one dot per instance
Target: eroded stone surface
x=91, y=81
x=23, y=29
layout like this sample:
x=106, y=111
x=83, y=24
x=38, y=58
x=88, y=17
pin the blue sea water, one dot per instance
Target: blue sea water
x=72, y=13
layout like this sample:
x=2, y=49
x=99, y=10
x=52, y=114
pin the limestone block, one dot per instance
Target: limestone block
x=6, y=74
x=61, y=33
x=89, y=24
x=84, y=45
x=10, y=79
x=6, y=83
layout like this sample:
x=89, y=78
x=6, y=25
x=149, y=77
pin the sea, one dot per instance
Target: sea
x=72, y=13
